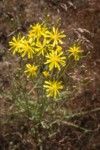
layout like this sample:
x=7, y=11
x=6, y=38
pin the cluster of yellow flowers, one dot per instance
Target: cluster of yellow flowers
x=43, y=45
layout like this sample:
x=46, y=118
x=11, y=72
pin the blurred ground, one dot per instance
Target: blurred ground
x=79, y=19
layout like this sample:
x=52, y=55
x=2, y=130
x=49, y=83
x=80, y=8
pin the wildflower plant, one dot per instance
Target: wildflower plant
x=75, y=52
x=43, y=73
x=43, y=46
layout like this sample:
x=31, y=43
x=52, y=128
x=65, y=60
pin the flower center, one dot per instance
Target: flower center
x=37, y=29
x=55, y=37
x=54, y=59
x=54, y=87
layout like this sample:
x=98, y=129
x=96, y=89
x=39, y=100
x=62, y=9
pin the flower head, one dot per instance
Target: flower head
x=31, y=70
x=75, y=51
x=42, y=47
x=59, y=49
x=27, y=48
x=37, y=31
x=56, y=36
x=16, y=43
x=46, y=74
x=52, y=88
x=55, y=60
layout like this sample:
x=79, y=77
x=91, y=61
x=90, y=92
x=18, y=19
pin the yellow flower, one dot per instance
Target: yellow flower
x=59, y=49
x=75, y=51
x=27, y=48
x=16, y=43
x=56, y=36
x=55, y=60
x=31, y=70
x=37, y=31
x=46, y=74
x=52, y=88
x=42, y=47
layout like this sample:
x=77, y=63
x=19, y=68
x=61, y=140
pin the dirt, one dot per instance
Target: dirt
x=79, y=19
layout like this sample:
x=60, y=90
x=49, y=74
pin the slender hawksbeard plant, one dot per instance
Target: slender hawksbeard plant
x=41, y=86
x=44, y=47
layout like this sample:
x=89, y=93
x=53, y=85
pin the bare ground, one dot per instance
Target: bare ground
x=76, y=15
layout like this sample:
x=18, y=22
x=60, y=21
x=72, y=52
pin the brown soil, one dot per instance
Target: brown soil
x=79, y=19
